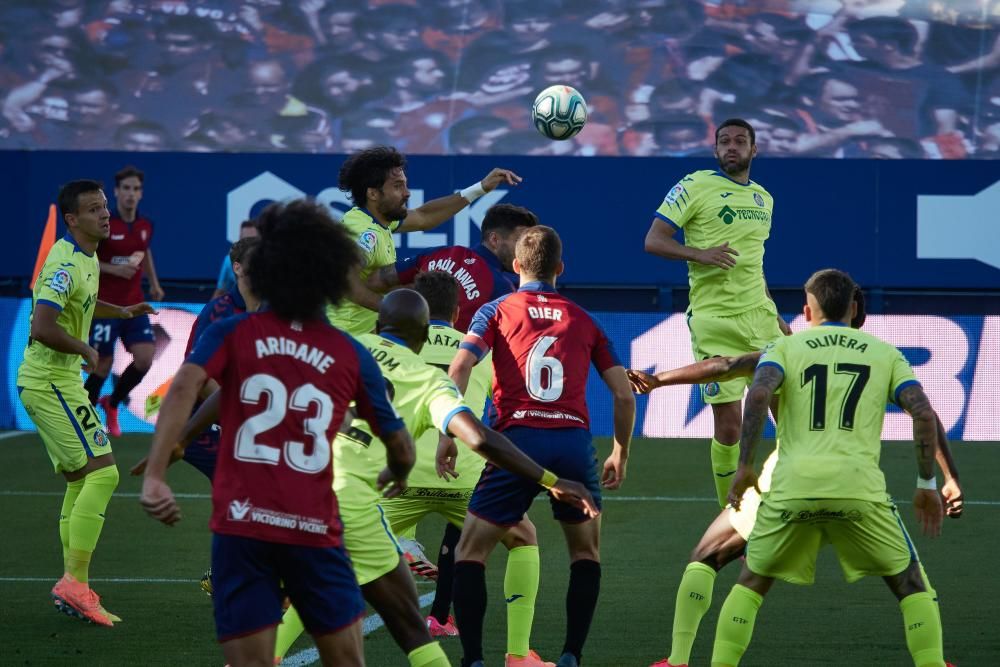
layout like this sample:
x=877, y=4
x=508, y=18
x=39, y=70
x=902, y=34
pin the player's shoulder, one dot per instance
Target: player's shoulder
x=358, y=220
x=489, y=309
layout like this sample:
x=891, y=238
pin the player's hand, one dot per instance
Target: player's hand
x=642, y=382
x=445, y=458
x=783, y=325
x=125, y=271
x=575, y=494
x=90, y=359
x=156, y=293
x=744, y=478
x=158, y=501
x=499, y=176
x=722, y=256
x=137, y=309
x=954, y=499
x=615, y=469
x=390, y=485
x=930, y=511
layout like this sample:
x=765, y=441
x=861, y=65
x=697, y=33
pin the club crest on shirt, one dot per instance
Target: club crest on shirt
x=758, y=199
x=712, y=389
x=60, y=282
x=368, y=240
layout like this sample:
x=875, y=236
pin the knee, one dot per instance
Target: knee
x=521, y=535
x=908, y=582
x=142, y=362
x=104, y=365
x=585, y=553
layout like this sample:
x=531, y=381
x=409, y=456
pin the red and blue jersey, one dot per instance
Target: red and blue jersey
x=285, y=388
x=477, y=270
x=223, y=306
x=128, y=243
x=543, y=345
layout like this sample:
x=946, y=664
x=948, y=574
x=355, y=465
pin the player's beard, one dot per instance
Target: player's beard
x=740, y=165
x=394, y=212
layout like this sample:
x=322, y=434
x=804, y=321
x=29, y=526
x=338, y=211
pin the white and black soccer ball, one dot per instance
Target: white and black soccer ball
x=559, y=112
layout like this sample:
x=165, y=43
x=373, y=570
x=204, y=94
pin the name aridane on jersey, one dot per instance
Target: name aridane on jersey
x=836, y=384
x=67, y=282
x=713, y=209
x=423, y=395
x=377, y=250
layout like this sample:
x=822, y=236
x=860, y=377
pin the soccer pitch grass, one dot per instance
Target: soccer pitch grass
x=148, y=573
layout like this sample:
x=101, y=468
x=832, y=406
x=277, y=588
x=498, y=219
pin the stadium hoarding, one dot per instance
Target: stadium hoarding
x=884, y=221
x=956, y=358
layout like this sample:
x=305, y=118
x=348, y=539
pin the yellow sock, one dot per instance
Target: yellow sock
x=428, y=655
x=520, y=588
x=289, y=630
x=736, y=620
x=86, y=520
x=72, y=493
x=930, y=589
x=923, y=630
x=694, y=597
x=725, y=459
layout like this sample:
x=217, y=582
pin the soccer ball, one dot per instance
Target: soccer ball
x=559, y=112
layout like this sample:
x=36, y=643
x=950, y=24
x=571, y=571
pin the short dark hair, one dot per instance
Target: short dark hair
x=128, y=172
x=440, y=290
x=505, y=218
x=833, y=290
x=861, y=315
x=539, y=251
x=69, y=195
x=897, y=31
x=239, y=251
x=368, y=169
x=246, y=224
x=736, y=122
x=303, y=260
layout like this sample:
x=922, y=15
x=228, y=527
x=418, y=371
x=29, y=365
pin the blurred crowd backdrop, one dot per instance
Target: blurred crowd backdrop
x=817, y=78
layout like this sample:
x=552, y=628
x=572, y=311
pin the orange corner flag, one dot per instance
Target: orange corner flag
x=48, y=240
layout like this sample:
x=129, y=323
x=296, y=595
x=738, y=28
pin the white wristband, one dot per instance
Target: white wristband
x=929, y=484
x=473, y=192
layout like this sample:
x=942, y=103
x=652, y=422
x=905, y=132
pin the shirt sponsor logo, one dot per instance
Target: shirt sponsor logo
x=545, y=414
x=729, y=215
x=436, y=494
x=117, y=237
x=242, y=510
x=60, y=282
x=807, y=516
x=368, y=240
x=238, y=509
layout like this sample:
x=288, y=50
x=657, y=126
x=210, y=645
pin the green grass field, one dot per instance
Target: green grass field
x=148, y=574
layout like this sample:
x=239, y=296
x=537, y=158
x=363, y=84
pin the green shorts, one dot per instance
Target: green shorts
x=868, y=536
x=68, y=424
x=406, y=511
x=715, y=336
x=367, y=538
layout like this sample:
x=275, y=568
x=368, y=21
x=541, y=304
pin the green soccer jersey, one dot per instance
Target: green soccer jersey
x=377, y=250
x=837, y=381
x=68, y=283
x=713, y=209
x=422, y=394
x=441, y=347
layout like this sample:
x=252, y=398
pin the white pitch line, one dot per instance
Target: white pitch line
x=108, y=580
x=369, y=625
x=606, y=498
x=12, y=434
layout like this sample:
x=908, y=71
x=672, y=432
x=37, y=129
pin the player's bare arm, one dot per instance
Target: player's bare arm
x=105, y=310
x=46, y=330
x=951, y=490
x=125, y=271
x=461, y=368
x=383, y=279
x=203, y=418
x=400, y=455
x=157, y=498
x=623, y=399
x=436, y=211
x=766, y=381
x=156, y=292
x=501, y=452
x=362, y=295
x=716, y=369
x=660, y=241
x=926, y=499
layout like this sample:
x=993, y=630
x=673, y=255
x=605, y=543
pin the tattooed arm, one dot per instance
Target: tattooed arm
x=926, y=501
x=766, y=381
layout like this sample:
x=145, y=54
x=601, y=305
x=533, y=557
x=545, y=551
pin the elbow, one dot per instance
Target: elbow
x=649, y=245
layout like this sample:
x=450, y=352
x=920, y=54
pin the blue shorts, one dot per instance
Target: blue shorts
x=203, y=452
x=105, y=333
x=250, y=579
x=502, y=497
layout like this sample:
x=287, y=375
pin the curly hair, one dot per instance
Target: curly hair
x=368, y=169
x=303, y=260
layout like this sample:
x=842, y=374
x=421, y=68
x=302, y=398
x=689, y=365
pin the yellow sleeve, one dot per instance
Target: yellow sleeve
x=680, y=205
x=56, y=283
x=902, y=375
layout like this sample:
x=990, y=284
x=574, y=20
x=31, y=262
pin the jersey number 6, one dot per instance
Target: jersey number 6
x=543, y=376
